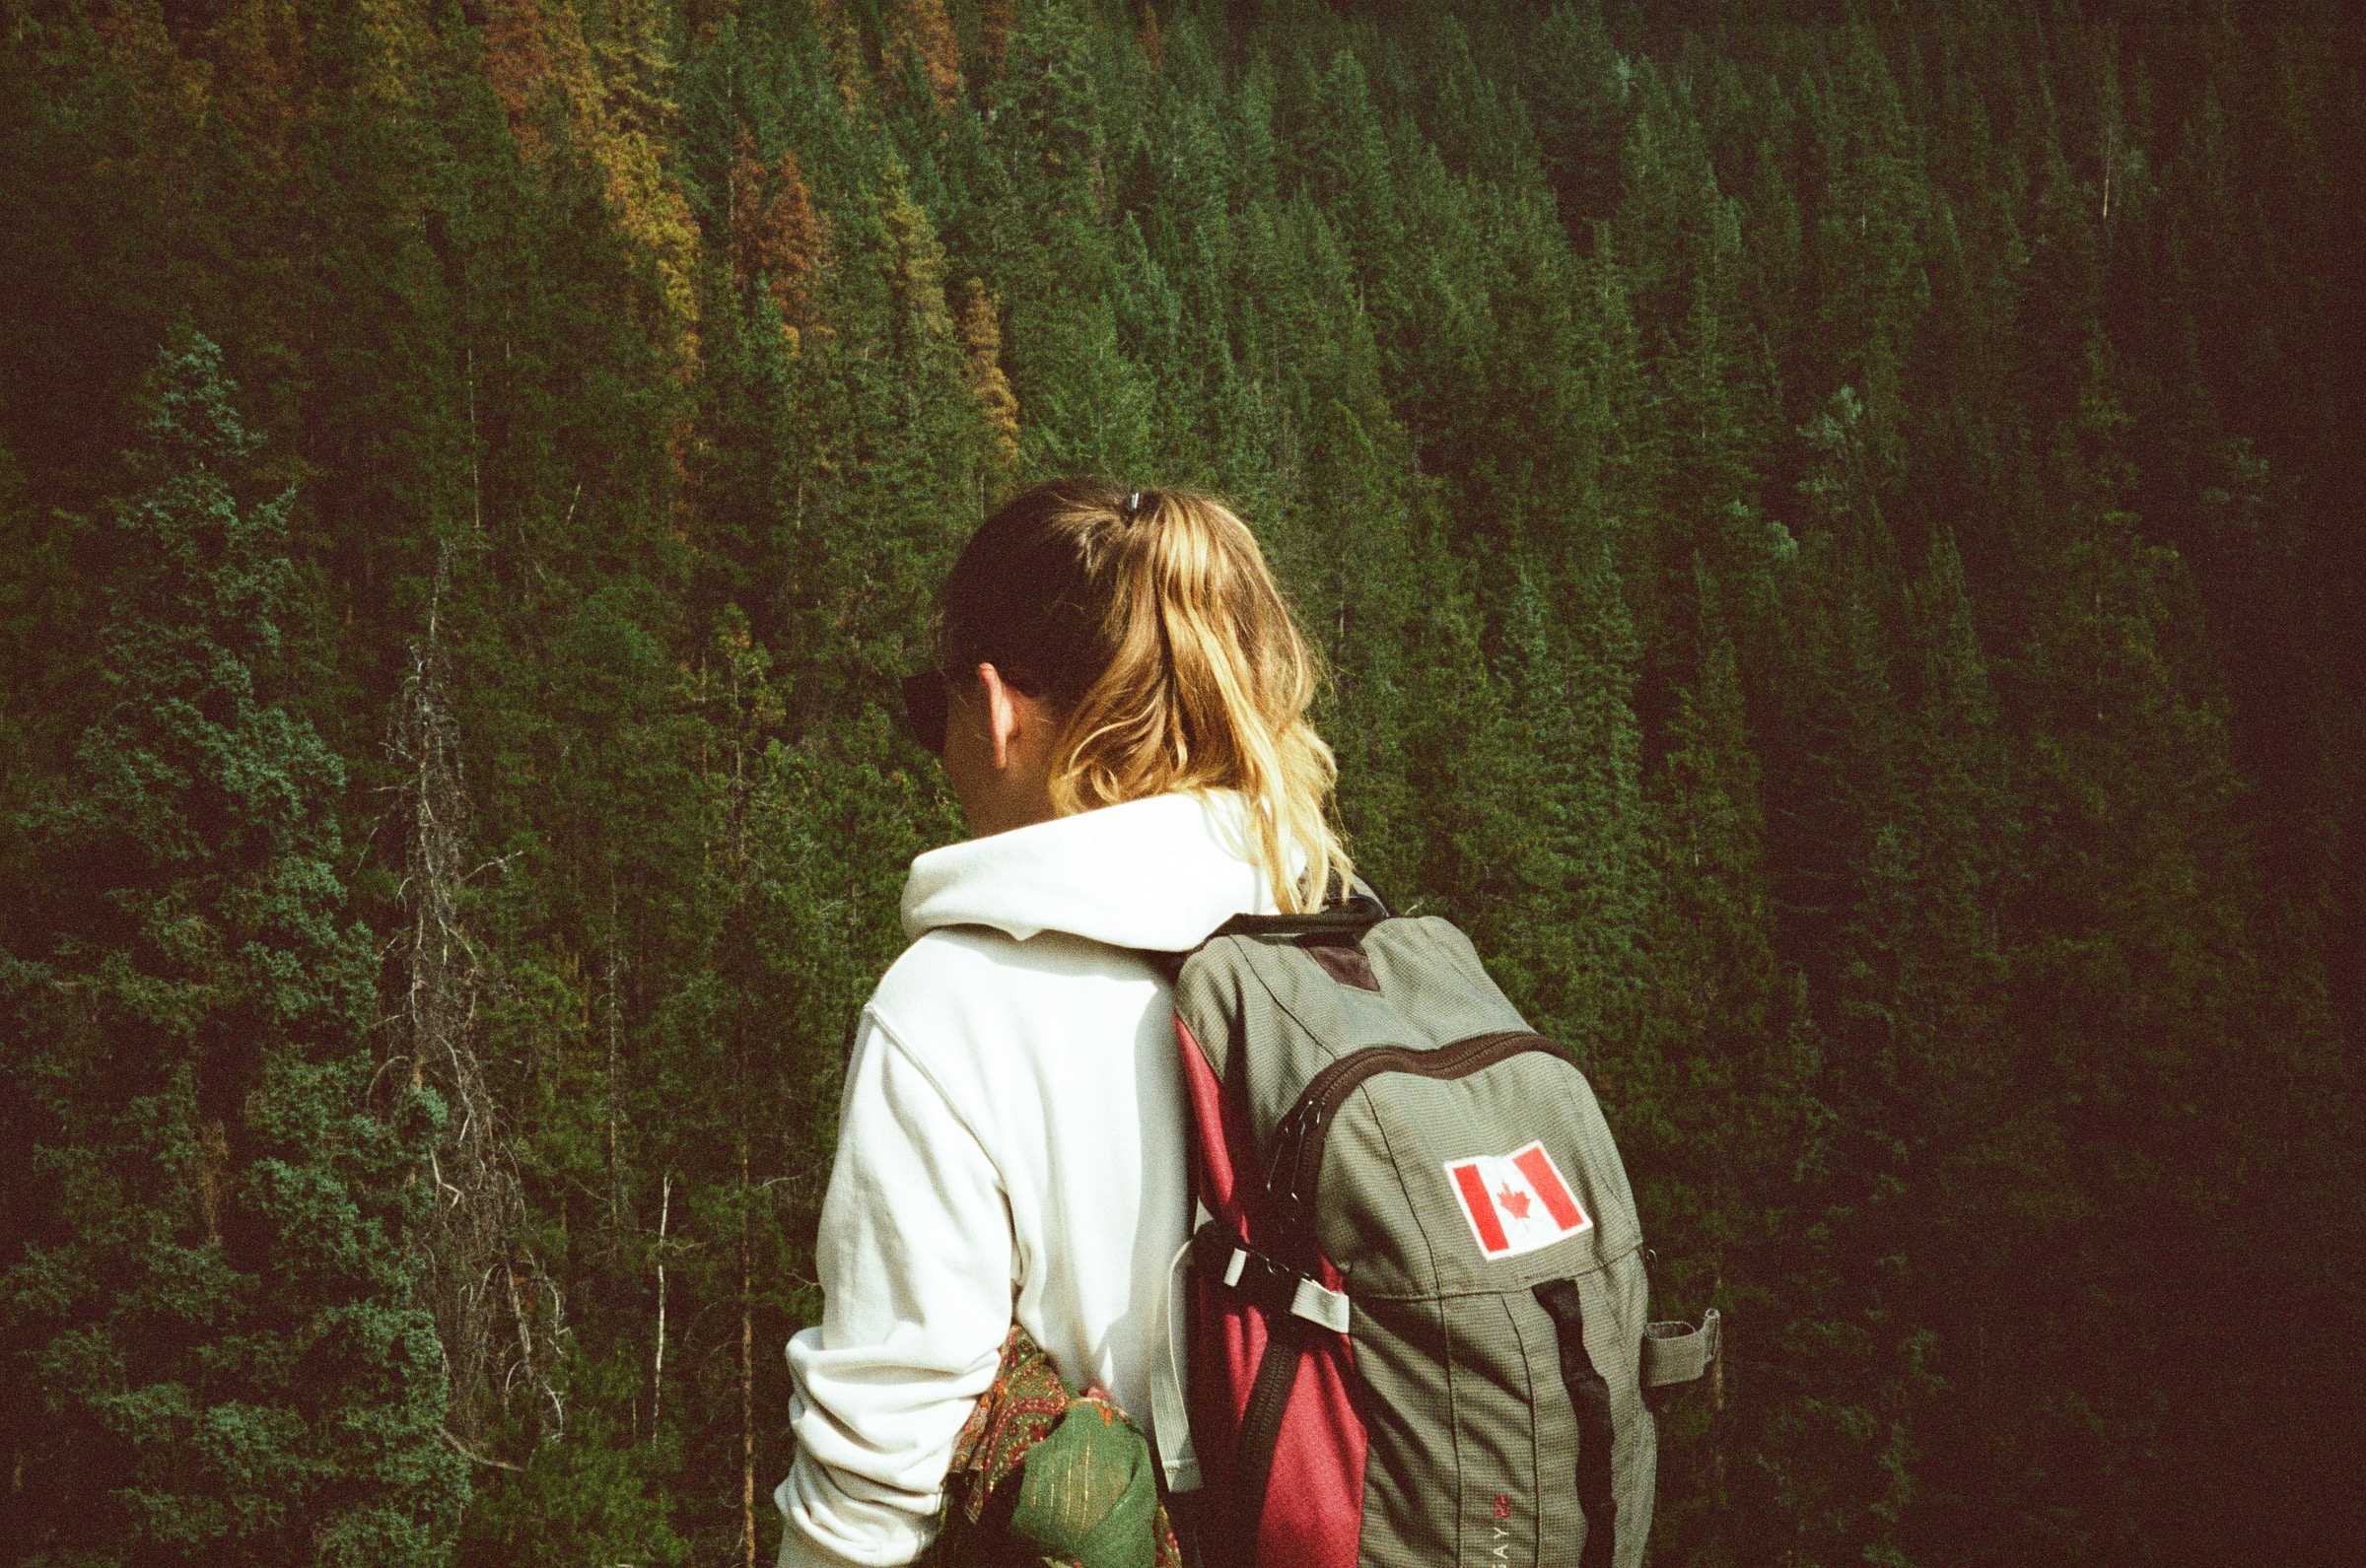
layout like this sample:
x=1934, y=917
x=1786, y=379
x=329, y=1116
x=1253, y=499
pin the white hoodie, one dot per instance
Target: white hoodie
x=1011, y=1144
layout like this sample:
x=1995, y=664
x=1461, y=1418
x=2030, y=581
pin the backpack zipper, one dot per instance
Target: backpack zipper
x=1299, y=1136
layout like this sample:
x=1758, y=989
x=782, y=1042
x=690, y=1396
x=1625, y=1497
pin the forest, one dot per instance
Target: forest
x=1828, y=519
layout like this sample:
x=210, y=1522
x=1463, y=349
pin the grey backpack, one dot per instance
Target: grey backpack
x=1417, y=1314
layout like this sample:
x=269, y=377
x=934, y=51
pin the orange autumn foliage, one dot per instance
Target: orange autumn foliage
x=1148, y=36
x=982, y=342
x=518, y=63
x=921, y=26
x=915, y=264
x=776, y=233
x=619, y=115
x=995, y=20
x=846, y=53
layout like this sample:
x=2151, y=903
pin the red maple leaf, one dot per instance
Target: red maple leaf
x=1514, y=1201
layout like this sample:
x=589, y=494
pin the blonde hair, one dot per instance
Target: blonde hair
x=1150, y=619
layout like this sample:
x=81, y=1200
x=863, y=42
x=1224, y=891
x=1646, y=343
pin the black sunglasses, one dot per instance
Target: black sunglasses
x=926, y=702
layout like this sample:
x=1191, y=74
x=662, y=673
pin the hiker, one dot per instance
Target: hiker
x=1119, y=698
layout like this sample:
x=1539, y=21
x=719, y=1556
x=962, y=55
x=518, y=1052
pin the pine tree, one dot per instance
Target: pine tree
x=2128, y=947
x=981, y=341
x=1569, y=946
x=1867, y=248
x=1717, y=1096
x=1338, y=155
x=215, y=1302
x=1577, y=87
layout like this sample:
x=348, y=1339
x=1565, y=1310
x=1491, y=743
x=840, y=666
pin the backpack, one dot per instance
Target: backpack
x=1416, y=1308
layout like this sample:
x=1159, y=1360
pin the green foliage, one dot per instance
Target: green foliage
x=1824, y=532
x=213, y=1302
x=594, y=1493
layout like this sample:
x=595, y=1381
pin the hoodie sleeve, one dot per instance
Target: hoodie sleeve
x=914, y=1259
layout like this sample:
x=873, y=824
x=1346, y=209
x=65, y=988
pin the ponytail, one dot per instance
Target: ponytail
x=1152, y=618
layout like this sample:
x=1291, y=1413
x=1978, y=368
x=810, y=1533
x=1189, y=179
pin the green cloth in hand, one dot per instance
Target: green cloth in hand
x=1088, y=1494
x=1042, y=1474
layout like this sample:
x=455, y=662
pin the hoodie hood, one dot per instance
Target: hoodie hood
x=1160, y=872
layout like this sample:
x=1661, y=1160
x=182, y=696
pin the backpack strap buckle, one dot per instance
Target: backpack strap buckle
x=1320, y=1305
x=1268, y=1282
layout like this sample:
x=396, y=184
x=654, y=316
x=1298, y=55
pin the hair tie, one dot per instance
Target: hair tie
x=1133, y=504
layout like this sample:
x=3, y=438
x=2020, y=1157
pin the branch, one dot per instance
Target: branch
x=467, y=1452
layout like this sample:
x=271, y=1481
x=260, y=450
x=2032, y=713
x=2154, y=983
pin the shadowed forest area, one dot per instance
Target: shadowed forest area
x=1832, y=525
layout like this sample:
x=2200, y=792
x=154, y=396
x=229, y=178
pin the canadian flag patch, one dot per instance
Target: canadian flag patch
x=1514, y=1203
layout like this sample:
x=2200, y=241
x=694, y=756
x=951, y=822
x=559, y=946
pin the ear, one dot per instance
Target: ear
x=1001, y=713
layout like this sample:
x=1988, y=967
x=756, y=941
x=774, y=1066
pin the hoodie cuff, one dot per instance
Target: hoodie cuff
x=894, y=1539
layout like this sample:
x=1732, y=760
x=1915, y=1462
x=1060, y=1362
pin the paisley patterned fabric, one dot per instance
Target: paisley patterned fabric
x=1044, y=1476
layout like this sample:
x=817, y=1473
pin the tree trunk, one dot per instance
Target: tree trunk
x=747, y=1373
x=213, y=1175
x=657, y=1384
x=615, y=1070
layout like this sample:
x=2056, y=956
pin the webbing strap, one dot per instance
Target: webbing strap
x=1170, y=1406
x=1261, y=1430
x=1284, y=1294
x=1589, y=1395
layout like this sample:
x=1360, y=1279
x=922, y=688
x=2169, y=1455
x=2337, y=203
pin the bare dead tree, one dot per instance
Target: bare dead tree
x=498, y=1311
x=656, y=1382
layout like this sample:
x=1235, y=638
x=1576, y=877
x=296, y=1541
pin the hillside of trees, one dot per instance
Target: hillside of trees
x=1831, y=522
